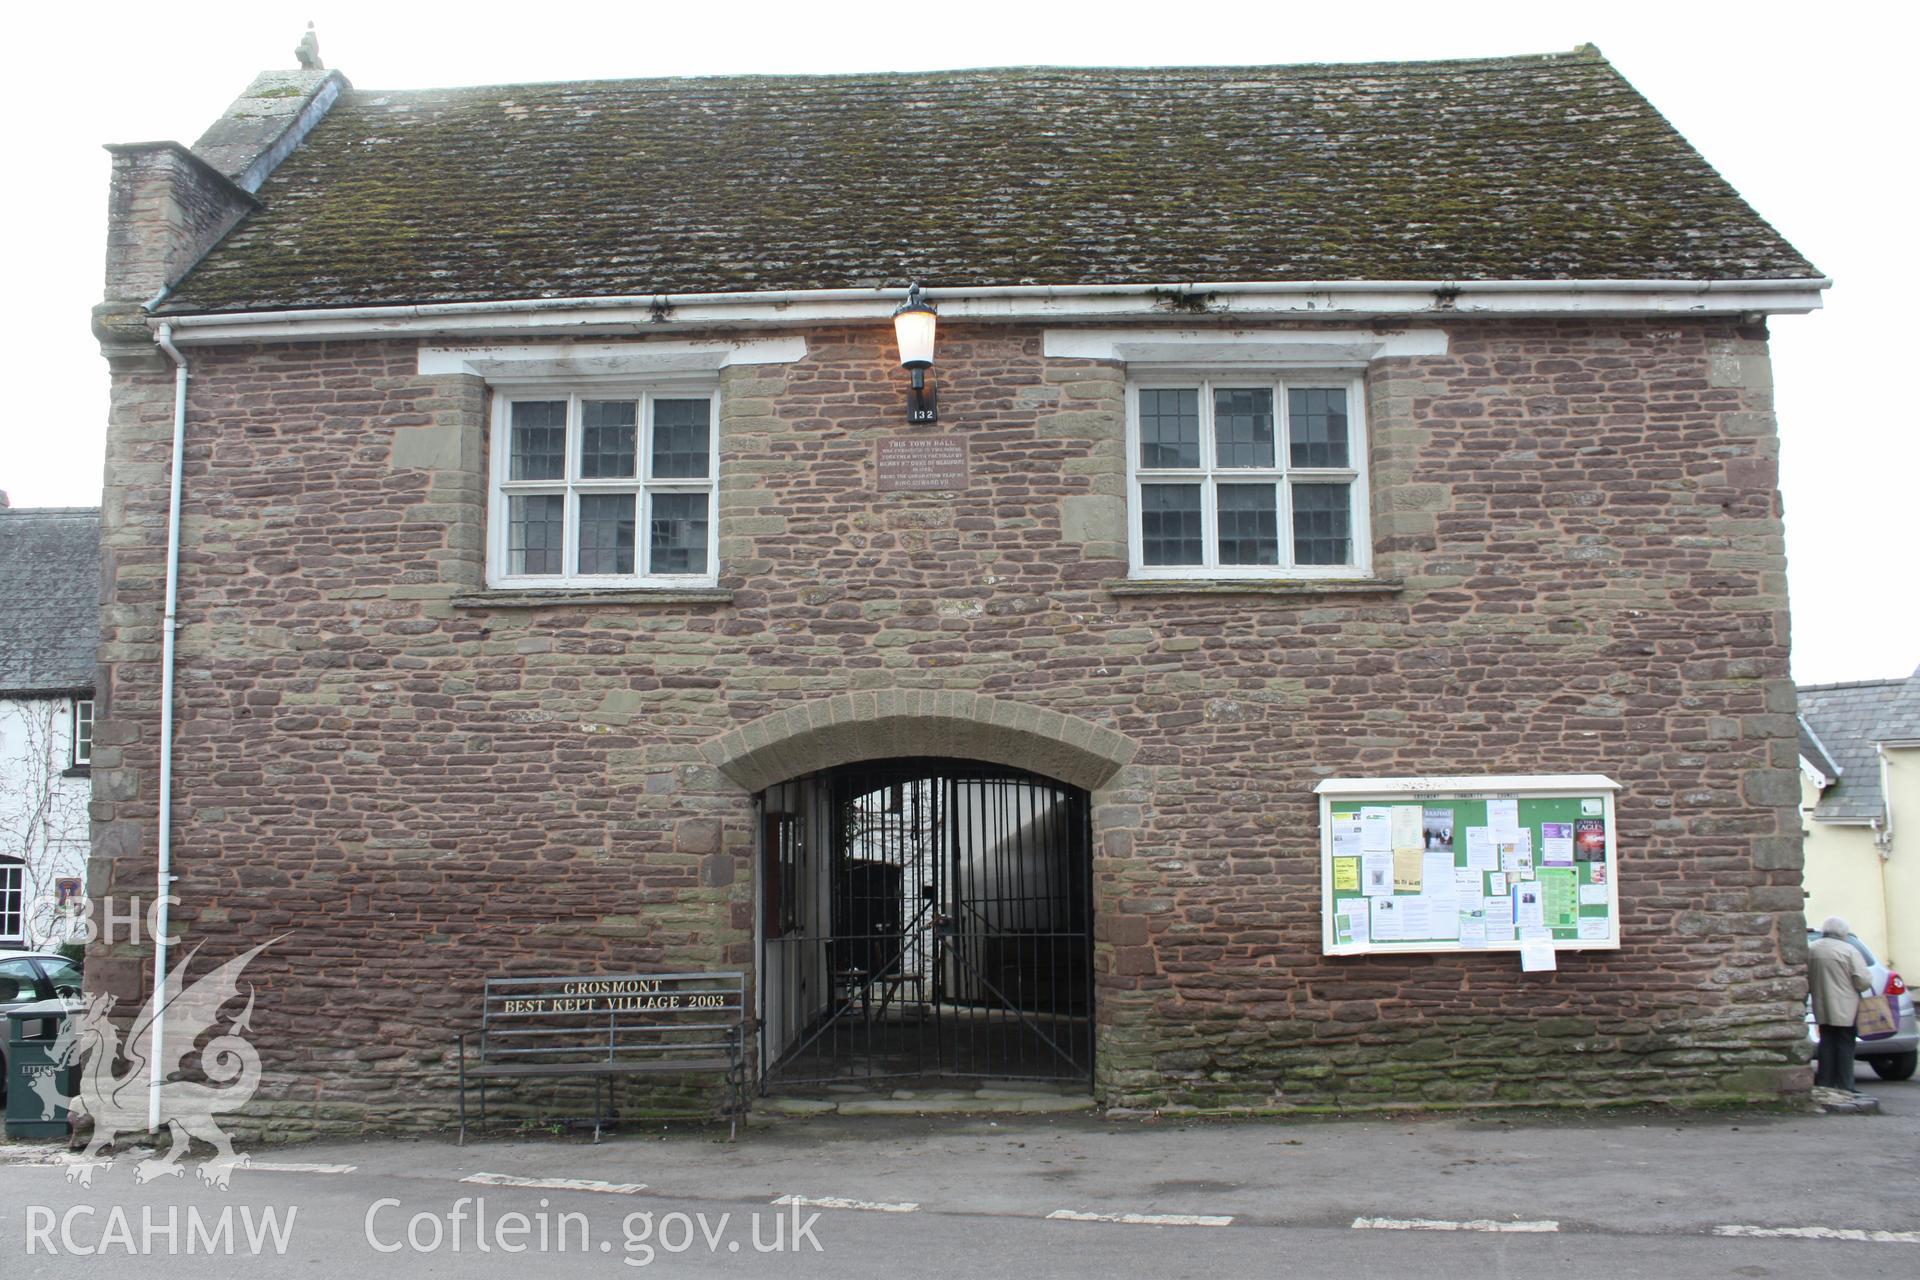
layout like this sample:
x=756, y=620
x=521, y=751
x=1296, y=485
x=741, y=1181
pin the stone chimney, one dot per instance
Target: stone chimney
x=169, y=204
x=166, y=208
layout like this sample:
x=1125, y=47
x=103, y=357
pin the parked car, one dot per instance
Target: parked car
x=1892, y=1056
x=28, y=976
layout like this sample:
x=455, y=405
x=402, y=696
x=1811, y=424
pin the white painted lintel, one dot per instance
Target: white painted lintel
x=573, y=360
x=1267, y=348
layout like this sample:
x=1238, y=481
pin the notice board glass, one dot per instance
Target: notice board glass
x=1466, y=863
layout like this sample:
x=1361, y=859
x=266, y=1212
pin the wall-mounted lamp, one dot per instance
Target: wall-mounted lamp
x=913, y=325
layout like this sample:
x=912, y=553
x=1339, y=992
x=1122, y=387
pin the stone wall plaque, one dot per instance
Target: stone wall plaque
x=921, y=462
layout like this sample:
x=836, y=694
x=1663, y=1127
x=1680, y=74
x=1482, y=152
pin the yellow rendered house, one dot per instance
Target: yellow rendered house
x=1860, y=810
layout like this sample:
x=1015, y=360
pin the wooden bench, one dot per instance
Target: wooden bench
x=603, y=1026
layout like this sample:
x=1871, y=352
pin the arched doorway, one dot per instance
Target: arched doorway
x=925, y=918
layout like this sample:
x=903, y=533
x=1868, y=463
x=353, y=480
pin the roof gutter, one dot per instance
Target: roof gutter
x=37, y=693
x=1242, y=299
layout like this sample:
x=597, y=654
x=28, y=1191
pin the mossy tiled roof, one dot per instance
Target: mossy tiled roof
x=1534, y=168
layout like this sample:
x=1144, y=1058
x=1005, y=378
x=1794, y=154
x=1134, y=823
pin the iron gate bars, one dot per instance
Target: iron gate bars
x=926, y=918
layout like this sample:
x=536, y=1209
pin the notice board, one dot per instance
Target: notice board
x=1468, y=864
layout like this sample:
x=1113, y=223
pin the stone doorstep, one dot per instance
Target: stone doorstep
x=1838, y=1102
x=993, y=1100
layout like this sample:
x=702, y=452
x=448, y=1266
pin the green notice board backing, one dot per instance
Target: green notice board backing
x=1468, y=863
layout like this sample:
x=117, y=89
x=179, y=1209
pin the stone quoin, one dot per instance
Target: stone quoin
x=417, y=774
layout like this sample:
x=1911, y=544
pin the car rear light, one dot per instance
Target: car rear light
x=1895, y=987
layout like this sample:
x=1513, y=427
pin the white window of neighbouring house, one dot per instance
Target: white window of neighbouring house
x=605, y=488
x=1237, y=476
x=13, y=900
x=83, y=731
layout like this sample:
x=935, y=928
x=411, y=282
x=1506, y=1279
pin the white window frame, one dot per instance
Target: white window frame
x=14, y=870
x=1209, y=475
x=574, y=391
x=82, y=744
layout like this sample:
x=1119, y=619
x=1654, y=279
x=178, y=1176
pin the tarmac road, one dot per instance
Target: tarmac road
x=1482, y=1196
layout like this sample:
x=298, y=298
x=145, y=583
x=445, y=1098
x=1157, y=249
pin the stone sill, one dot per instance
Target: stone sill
x=561, y=599
x=77, y=771
x=1256, y=587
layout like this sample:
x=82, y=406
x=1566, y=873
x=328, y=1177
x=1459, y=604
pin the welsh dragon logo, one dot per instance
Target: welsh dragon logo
x=117, y=1102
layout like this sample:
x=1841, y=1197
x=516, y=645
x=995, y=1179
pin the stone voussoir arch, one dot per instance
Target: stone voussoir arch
x=851, y=727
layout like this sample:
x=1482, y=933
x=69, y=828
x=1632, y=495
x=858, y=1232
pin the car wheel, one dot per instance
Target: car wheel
x=1894, y=1066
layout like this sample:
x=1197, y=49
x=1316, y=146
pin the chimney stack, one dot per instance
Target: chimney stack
x=169, y=204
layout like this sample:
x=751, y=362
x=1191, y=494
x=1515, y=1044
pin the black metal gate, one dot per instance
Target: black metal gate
x=925, y=918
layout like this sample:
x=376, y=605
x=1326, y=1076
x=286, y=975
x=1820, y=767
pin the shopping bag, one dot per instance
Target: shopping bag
x=1875, y=1018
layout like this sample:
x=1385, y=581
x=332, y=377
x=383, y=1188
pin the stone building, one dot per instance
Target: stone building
x=563, y=589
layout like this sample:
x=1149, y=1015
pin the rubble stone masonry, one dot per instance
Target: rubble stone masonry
x=419, y=783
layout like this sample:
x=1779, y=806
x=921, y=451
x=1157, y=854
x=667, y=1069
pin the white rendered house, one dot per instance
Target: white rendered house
x=49, y=632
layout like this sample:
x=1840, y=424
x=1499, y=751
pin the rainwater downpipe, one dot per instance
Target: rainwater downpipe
x=163, y=858
x=1885, y=836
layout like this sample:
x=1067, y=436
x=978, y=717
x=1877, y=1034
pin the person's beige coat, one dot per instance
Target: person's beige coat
x=1838, y=978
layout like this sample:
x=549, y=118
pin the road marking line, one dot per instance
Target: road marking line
x=1441, y=1224
x=841, y=1202
x=1822, y=1233
x=556, y=1184
x=268, y=1166
x=1146, y=1219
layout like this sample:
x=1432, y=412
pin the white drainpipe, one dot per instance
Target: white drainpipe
x=1884, y=838
x=156, y=1071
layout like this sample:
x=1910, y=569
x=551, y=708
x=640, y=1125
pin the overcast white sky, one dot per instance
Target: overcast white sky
x=1808, y=110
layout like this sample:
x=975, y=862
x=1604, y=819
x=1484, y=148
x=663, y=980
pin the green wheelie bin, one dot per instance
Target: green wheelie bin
x=39, y=1084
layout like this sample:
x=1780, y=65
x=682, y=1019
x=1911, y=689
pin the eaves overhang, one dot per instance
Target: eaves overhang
x=1190, y=301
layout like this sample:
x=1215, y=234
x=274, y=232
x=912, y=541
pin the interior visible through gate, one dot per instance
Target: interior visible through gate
x=925, y=922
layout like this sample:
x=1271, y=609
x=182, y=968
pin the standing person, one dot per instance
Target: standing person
x=1837, y=978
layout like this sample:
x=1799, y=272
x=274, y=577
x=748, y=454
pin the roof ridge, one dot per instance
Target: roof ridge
x=1586, y=54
